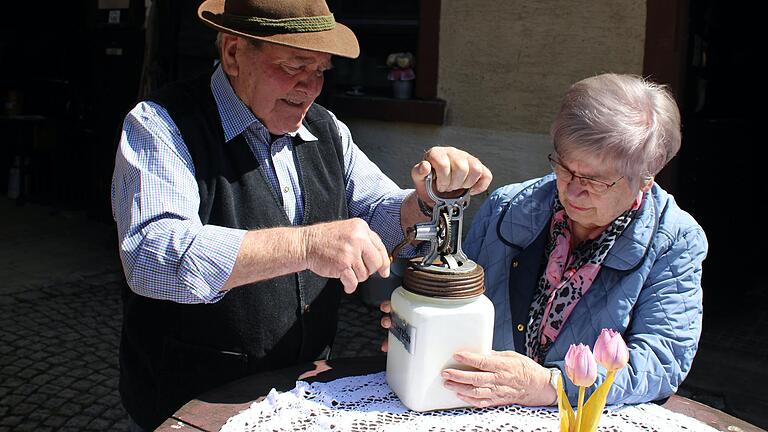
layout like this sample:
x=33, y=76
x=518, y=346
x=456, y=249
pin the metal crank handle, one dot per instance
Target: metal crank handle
x=410, y=235
x=462, y=199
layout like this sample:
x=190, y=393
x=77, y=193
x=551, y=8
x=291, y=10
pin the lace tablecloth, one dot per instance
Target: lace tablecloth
x=365, y=403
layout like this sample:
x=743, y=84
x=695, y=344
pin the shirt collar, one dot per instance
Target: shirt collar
x=235, y=115
x=303, y=133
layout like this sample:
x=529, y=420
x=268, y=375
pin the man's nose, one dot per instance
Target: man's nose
x=311, y=84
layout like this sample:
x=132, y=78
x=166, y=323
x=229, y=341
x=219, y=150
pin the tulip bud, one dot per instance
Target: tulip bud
x=610, y=350
x=580, y=365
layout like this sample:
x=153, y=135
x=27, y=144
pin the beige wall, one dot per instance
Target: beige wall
x=504, y=64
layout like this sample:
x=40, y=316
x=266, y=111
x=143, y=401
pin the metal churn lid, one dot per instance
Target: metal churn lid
x=445, y=271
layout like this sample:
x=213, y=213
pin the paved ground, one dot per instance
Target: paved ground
x=60, y=319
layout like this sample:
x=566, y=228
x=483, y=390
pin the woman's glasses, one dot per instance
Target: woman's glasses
x=594, y=186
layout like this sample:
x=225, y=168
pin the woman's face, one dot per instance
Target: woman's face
x=589, y=209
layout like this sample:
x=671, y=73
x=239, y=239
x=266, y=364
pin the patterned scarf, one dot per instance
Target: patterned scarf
x=568, y=275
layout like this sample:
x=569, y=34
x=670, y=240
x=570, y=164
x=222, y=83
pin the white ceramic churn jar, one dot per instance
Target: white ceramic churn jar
x=439, y=309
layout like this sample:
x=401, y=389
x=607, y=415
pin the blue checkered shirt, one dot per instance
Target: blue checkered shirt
x=167, y=252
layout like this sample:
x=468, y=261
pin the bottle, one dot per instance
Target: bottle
x=14, y=179
x=26, y=189
x=435, y=314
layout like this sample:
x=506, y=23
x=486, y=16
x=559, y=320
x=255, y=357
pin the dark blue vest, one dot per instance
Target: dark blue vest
x=170, y=353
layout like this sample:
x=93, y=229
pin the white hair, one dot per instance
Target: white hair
x=218, y=42
x=629, y=121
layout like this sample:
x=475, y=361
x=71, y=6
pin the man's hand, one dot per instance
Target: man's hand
x=346, y=249
x=502, y=378
x=454, y=170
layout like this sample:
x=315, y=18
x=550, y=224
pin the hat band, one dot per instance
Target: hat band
x=283, y=25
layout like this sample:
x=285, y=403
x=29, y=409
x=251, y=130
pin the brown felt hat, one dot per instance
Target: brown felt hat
x=305, y=24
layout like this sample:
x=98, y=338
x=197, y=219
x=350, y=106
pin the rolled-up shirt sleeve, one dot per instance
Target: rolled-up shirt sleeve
x=166, y=251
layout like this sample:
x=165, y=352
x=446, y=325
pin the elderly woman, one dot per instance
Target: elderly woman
x=596, y=244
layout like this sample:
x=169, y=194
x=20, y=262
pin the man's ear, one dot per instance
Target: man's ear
x=228, y=54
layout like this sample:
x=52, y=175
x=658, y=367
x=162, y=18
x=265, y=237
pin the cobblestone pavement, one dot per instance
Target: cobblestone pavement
x=60, y=318
x=58, y=354
x=58, y=357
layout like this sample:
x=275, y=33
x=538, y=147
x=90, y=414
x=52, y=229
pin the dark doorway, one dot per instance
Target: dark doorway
x=65, y=85
x=718, y=164
x=717, y=178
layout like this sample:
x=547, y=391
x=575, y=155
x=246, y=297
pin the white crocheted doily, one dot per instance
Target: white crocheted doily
x=365, y=403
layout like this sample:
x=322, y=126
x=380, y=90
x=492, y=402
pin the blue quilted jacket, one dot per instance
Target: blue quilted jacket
x=648, y=288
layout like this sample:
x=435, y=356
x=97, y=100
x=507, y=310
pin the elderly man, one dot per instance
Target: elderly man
x=242, y=208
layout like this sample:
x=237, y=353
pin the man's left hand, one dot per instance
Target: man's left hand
x=501, y=378
x=454, y=170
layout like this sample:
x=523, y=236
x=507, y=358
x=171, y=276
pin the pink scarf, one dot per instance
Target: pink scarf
x=568, y=276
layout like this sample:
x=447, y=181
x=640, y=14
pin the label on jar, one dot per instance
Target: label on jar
x=403, y=331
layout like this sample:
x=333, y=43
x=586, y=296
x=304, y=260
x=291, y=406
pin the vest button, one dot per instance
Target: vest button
x=520, y=327
x=515, y=263
x=306, y=308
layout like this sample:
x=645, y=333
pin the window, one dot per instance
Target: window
x=359, y=87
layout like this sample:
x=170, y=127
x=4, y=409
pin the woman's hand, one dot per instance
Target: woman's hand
x=386, y=322
x=502, y=378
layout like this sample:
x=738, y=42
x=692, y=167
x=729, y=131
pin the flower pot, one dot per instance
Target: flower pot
x=402, y=89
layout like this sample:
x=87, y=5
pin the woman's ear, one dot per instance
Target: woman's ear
x=647, y=185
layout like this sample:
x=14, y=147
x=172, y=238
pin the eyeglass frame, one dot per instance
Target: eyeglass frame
x=590, y=182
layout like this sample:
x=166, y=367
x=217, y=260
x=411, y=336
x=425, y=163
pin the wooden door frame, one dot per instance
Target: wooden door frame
x=664, y=61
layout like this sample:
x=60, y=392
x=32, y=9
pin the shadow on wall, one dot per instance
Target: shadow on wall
x=395, y=147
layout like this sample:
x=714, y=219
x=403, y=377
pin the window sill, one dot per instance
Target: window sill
x=389, y=109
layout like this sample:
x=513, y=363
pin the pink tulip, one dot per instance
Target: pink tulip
x=610, y=350
x=580, y=365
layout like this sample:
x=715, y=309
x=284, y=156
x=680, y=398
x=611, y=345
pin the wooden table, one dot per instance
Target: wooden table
x=211, y=410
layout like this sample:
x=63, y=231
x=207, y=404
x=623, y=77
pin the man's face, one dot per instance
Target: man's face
x=276, y=82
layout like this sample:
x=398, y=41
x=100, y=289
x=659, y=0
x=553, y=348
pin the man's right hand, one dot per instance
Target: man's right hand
x=345, y=249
